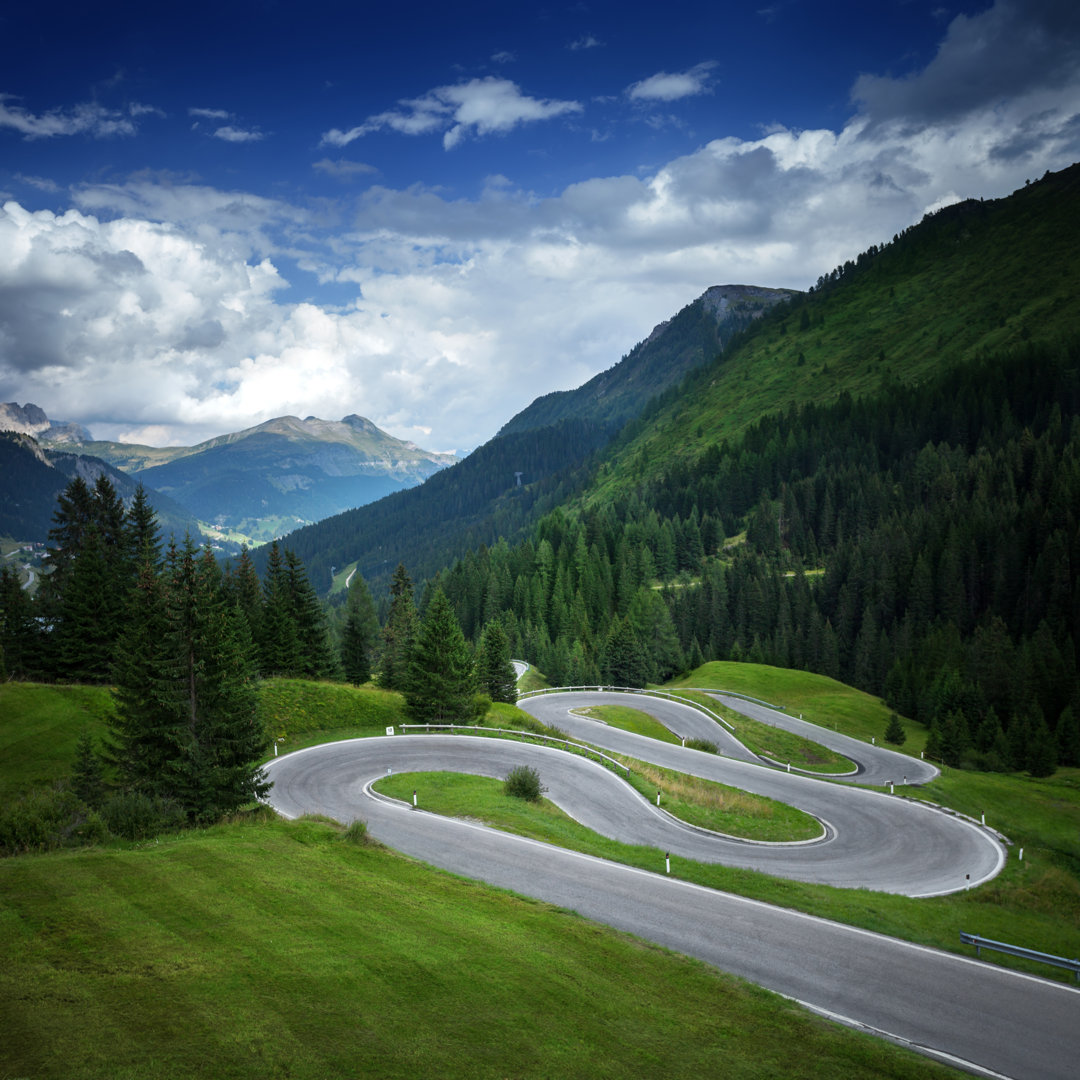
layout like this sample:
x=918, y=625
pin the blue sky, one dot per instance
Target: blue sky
x=431, y=215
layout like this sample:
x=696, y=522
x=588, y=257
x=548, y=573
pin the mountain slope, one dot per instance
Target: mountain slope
x=973, y=278
x=471, y=503
x=477, y=501
x=32, y=476
x=696, y=335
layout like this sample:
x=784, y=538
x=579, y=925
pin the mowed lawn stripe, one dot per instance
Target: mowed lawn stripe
x=281, y=949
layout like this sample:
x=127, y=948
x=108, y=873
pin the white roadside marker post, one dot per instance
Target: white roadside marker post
x=667, y=861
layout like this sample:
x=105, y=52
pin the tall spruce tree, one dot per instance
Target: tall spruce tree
x=187, y=726
x=625, y=662
x=495, y=673
x=360, y=632
x=315, y=659
x=399, y=633
x=278, y=639
x=442, y=681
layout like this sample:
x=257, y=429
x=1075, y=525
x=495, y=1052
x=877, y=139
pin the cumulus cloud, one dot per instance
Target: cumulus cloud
x=670, y=87
x=481, y=107
x=88, y=118
x=159, y=305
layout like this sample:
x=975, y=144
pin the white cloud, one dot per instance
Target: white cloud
x=157, y=304
x=88, y=118
x=342, y=169
x=670, y=87
x=228, y=133
x=481, y=106
x=586, y=41
x=210, y=114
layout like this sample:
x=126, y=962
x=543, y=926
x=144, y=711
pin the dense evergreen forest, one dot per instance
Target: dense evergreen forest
x=922, y=544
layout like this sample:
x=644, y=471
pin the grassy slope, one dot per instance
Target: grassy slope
x=979, y=278
x=39, y=727
x=276, y=950
x=815, y=698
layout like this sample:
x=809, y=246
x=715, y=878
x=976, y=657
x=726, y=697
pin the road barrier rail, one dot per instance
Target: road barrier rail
x=981, y=943
x=563, y=744
x=630, y=690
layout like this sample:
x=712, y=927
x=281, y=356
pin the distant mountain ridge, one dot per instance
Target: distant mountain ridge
x=264, y=480
x=693, y=337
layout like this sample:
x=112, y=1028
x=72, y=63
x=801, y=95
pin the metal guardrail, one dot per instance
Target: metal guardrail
x=981, y=943
x=630, y=690
x=475, y=729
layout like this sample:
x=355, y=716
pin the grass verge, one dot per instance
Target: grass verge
x=816, y=698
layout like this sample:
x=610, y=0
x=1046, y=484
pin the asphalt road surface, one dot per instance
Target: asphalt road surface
x=971, y=1013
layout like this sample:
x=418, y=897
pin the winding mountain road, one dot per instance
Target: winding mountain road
x=980, y=1016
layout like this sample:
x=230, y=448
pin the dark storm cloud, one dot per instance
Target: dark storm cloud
x=1011, y=50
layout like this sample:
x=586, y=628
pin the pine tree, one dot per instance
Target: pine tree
x=495, y=672
x=143, y=537
x=278, y=639
x=145, y=731
x=314, y=655
x=441, y=681
x=894, y=731
x=399, y=633
x=186, y=723
x=242, y=585
x=87, y=776
x=360, y=633
x=624, y=661
x=20, y=631
x=209, y=669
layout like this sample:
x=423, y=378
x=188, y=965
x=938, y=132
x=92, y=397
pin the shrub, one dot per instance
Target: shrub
x=523, y=782
x=703, y=744
x=135, y=816
x=357, y=833
x=41, y=820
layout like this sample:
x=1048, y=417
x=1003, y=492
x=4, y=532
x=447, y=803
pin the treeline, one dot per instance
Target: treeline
x=922, y=544
x=71, y=629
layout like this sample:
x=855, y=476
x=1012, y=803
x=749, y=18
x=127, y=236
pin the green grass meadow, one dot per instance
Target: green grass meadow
x=268, y=949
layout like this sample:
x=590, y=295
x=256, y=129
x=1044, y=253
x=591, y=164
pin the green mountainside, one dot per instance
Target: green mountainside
x=974, y=278
x=695, y=336
x=880, y=482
